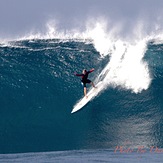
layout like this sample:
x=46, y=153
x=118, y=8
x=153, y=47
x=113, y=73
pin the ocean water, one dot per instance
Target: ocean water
x=38, y=91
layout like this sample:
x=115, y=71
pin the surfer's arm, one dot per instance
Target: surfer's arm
x=78, y=74
x=91, y=70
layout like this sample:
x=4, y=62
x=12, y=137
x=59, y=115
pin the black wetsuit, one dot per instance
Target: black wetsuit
x=85, y=77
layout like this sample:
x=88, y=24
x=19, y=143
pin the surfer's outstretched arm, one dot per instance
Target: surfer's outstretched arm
x=78, y=74
x=91, y=70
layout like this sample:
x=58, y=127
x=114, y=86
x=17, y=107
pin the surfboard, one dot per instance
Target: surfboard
x=90, y=95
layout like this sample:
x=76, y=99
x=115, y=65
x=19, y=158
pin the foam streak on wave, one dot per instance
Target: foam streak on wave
x=127, y=68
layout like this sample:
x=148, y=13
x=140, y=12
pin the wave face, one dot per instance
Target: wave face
x=39, y=89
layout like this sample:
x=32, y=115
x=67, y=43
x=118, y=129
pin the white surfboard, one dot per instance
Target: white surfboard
x=90, y=95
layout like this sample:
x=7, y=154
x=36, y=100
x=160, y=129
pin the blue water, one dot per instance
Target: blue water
x=38, y=91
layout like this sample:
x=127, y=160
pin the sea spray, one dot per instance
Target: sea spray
x=127, y=68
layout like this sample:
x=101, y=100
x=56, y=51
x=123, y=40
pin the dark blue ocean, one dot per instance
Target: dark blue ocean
x=38, y=90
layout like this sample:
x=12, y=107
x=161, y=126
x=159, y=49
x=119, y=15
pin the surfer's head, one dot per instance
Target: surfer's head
x=84, y=71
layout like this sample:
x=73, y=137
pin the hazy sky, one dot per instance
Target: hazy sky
x=18, y=16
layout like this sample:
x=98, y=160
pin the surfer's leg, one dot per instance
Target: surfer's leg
x=90, y=82
x=85, y=91
x=93, y=84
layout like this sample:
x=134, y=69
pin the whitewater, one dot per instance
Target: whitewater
x=126, y=64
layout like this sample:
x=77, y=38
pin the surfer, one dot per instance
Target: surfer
x=85, y=79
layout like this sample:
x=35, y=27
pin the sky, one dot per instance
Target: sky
x=19, y=17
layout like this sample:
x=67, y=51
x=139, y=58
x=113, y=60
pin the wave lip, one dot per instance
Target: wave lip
x=127, y=67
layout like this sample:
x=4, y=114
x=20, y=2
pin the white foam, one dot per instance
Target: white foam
x=127, y=68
